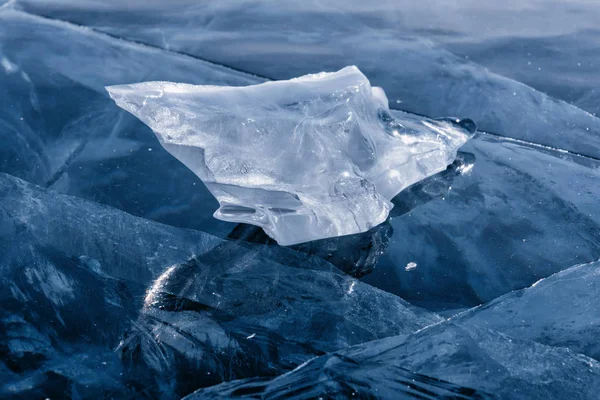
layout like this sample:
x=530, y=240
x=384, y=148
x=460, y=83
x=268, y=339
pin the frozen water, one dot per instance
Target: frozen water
x=236, y=302
x=487, y=360
x=114, y=243
x=60, y=321
x=476, y=358
x=389, y=44
x=357, y=255
x=489, y=233
x=178, y=345
x=72, y=274
x=561, y=310
x=340, y=378
x=220, y=316
x=314, y=157
x=60, y=129
x=301, y=297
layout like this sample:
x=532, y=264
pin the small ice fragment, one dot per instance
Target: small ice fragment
x=351, y=288
x=8, y=66
x=410, y=266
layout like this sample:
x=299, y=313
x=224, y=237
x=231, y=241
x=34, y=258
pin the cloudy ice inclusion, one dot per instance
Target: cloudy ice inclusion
x=309, y=158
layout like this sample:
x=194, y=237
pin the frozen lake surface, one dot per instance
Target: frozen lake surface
x=118, y=282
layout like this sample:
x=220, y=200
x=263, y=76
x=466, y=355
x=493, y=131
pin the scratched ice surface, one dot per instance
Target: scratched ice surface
x=82, y=278
x=310, y=158
x=72, y=273
x=479, y=360
x=246, y=310
x=561, y=310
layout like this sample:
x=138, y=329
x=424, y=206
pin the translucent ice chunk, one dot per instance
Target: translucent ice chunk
x=313, y=157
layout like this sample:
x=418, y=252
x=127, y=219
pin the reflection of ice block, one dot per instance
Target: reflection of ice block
x=313, y=157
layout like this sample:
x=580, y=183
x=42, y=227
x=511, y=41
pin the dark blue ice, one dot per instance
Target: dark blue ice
x=117, y=282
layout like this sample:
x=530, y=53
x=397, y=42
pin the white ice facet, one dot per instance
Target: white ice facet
x=310, y=158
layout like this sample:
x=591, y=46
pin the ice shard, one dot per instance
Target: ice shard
x=561, y=310
x=109, y=241
x=469, y=357
x=72, y=277
x=337, y=377
x=179, y=345
x=313, y=157
x=299, y=296
x=248, y=310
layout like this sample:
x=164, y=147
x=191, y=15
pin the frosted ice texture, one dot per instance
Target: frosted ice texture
x=313, y=157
